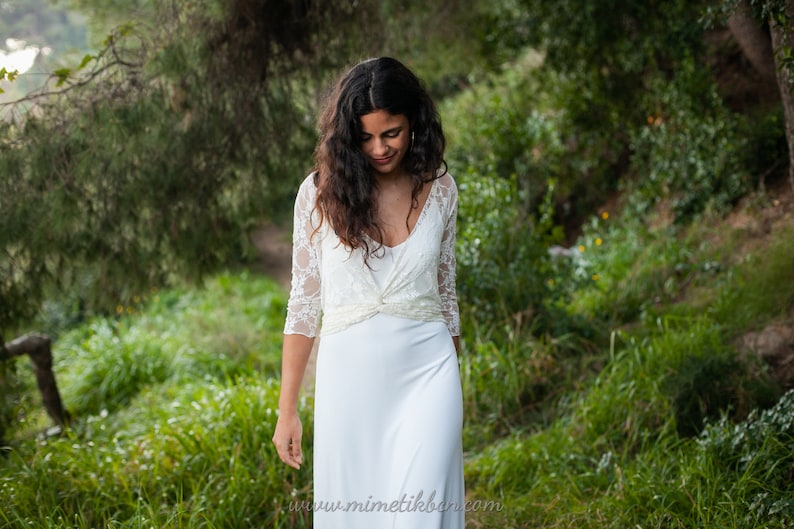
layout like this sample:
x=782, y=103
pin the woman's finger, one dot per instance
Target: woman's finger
x=295, y=450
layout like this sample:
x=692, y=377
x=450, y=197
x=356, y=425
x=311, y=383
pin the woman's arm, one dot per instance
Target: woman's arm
x=289, y=431
x=447, y=263
x=300, y=327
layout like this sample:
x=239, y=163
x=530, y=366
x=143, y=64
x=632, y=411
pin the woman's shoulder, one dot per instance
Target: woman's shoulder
x=446, y=183
x=310, y=180
x=308, y=186
x=445, y=192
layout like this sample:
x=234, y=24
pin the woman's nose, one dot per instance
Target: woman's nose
x=379, y=147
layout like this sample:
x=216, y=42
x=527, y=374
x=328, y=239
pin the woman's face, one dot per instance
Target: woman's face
x=385, y=140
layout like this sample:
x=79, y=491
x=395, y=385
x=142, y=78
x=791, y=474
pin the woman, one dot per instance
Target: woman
x=374, y=255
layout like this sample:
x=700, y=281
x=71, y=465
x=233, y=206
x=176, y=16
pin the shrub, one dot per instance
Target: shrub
x=691, y=151
x=756, y=460
x=502, y=257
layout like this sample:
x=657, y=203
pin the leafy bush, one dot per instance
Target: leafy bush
x=691, y=151
x=756, y=460
x=215, y=332
x=503, y=152
x=502, y=258
x=620, y=269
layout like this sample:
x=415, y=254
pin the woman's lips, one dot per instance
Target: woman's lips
x=382, y=161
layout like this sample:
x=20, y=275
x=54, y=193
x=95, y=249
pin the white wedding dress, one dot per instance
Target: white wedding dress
x=388, y=406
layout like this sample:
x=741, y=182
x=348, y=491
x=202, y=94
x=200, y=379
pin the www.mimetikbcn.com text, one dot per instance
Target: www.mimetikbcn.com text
x=414, y=503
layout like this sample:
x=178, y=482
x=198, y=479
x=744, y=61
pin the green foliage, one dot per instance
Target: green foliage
x=502, y=151
x=620, y=269
x=6, y=75
x=623, y=450
x=614, y=455
x=175, y=405
x=203, y=459
x=599, y=58
x=616, y=37
x=511, y=380
x=152, y=162
x=691, y=152
x=213, y=333
x=501, y=252
x=14, y=398
x=756, y=459
x=711, y=384
x=504, y=126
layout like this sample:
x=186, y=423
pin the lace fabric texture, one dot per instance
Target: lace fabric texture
x=420, y=285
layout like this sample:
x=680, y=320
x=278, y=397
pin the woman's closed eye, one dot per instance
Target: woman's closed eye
x=391, y=134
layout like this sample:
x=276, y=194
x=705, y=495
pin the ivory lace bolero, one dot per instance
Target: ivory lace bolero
x=333, y=286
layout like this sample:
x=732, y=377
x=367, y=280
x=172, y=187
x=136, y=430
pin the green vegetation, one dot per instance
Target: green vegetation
x=606, y=383
x=177, y=399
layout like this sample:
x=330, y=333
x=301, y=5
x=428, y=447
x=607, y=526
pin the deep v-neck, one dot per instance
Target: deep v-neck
x=422, y=213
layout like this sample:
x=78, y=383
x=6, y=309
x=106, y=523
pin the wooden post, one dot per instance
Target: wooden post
x=38, y=348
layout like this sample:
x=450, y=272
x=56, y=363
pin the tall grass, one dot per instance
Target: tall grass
x=175, y=407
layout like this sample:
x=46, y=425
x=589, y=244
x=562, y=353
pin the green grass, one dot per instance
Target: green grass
x=175, y=404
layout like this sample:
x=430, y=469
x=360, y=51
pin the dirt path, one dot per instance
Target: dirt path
x=274, y=246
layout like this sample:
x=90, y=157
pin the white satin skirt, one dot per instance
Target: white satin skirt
x=387, y=428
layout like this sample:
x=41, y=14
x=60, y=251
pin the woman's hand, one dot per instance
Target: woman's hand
x=287, y=439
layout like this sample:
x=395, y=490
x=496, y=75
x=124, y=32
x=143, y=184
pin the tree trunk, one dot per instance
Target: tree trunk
x=753, y=40
x=782, y=40
x=37, y=347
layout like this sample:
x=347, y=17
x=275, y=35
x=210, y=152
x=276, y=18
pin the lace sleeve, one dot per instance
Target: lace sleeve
x=303, y=308
x=447, y=263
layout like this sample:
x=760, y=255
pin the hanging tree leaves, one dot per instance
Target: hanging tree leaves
x=148, y=160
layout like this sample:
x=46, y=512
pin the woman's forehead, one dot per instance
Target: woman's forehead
x=380, y=120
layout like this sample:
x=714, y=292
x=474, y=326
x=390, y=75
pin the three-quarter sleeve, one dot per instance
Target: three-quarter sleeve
x=303, y=307
x=447, y=264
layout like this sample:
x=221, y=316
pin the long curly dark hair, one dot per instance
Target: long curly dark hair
x=344, y=178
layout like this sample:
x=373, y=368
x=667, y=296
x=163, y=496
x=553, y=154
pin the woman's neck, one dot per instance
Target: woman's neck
x=392, y=179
